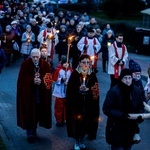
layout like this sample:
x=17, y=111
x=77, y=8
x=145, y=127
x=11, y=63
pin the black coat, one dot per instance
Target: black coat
x=82, y=111
x=119, y=129
x=104, y=46
x=62, y=46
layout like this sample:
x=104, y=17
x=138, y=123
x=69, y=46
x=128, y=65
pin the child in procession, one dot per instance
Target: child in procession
x=60, y=77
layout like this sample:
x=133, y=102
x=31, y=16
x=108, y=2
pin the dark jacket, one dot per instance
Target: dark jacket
x=104, y=45
x=61, y=47
x=8, y=46
x=118, y=104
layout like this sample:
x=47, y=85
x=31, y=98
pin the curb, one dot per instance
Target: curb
x=8, y=144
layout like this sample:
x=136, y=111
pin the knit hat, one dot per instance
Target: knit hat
x=134, y=66
x=109, y=32
x=8, y=27
x=63, y=26
x=28, y=26
x=14, y=22
x=125, y=72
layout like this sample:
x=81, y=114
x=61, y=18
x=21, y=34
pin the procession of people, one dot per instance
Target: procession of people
x=38, y=36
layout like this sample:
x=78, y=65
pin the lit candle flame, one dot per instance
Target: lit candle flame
x=92, y=57
x=70, y=38
x=45, y=43
x=108, y=44
x=83, y=80
x=57, y=31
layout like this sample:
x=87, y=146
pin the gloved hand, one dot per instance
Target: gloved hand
x=139, y=119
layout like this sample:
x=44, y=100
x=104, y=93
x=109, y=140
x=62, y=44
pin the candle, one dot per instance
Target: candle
x=57, y=31
x=92, y=57
x=5, y=38
x=83, y=80
x=108, y=43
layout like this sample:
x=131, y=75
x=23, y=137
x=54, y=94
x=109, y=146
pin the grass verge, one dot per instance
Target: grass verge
x=2, y=145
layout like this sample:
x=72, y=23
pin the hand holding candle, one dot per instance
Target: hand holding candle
x=83, y=87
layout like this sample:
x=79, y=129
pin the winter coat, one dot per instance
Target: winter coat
x=8, y=46
x=104, y=44
x=61, y=47
x=27, y=46
x=118, y=104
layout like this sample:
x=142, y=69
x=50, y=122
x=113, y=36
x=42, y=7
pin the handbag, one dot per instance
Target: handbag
x=15, y=46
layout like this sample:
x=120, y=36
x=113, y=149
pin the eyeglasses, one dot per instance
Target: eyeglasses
x=85, y=62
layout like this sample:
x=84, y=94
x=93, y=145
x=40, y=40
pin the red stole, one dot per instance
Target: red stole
x=85, y=50
x=52, y=43
x=116, y=66
x=56, y=72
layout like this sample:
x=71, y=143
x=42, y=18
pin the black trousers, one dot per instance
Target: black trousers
x=113, y=80
x=104, y=64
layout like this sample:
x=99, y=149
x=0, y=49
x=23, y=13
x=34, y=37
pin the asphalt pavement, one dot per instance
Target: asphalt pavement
x=56, y=138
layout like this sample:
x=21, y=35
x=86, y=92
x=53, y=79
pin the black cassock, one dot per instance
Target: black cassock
x=82, y=109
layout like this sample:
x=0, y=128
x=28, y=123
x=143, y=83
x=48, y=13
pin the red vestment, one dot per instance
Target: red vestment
x=26, y=99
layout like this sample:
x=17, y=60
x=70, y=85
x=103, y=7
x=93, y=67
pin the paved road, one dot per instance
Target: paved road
x=54, y=138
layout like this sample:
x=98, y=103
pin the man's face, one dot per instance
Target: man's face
x=63, y=29
x=35, y=56
x=78, y=28
x=91, y=34
x=44, y=52
x=127, y=80
x=136, y=75
x=119, y=39
x=92, y=21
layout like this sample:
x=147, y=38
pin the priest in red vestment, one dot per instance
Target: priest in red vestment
x=34, y=95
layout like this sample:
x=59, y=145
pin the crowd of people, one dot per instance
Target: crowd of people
x=35, y=33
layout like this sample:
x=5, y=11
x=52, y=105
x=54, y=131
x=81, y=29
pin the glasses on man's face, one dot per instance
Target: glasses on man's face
x=85, y=62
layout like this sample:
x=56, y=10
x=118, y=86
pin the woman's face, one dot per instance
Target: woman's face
x=28, y=29
x=85, y=64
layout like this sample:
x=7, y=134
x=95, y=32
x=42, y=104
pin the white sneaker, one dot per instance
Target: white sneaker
x=81, y=145
x=76, y=146
x=136, y=138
